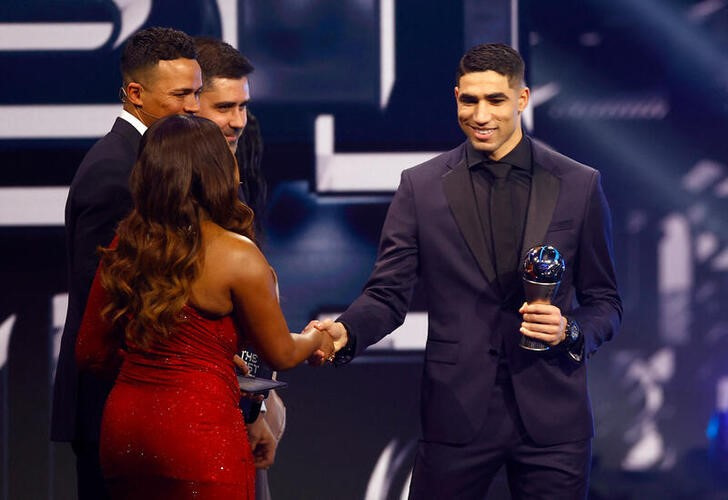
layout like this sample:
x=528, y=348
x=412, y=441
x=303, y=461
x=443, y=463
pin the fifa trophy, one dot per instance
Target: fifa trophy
x=542, y=269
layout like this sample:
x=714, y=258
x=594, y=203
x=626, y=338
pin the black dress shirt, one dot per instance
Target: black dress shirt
x=519, y=179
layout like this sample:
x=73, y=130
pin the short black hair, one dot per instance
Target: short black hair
x=149, y=46
x=220, y=60
x=496, y=57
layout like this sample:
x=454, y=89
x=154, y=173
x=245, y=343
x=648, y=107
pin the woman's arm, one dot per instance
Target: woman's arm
x=99, y=343
x=256, y=309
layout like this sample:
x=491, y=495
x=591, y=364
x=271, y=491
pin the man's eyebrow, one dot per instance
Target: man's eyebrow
x=185, y=89
x=232, y=103
x=494, y=95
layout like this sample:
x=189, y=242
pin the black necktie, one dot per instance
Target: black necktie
x=502, y=226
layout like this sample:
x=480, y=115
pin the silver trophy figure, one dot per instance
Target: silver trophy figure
x=542, y=269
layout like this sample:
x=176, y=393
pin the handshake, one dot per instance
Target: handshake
x=334, y=338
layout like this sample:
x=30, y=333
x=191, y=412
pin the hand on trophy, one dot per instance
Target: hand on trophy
x=543, y=326
x=543, y=322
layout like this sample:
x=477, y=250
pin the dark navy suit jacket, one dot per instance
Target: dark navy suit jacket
x=97, y=201
x=433, y=234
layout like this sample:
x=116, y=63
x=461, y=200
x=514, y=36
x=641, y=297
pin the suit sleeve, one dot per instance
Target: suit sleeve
x=99, y=201
x=382, y=306
x=600, y=308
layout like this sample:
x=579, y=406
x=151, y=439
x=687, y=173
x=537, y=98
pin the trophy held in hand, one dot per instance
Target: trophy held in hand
x=542, y=269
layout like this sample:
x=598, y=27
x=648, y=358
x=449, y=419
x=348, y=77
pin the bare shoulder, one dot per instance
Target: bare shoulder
x=234, y=254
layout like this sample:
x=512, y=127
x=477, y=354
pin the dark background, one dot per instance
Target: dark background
x=638, y=90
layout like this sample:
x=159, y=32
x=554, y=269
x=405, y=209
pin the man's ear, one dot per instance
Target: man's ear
x=523, y=98
x=134, y=93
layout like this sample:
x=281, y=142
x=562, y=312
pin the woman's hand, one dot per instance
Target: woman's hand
x=338, y=335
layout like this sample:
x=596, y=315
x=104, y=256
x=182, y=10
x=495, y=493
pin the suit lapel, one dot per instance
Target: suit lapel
x=458, y=187
x=541, y=205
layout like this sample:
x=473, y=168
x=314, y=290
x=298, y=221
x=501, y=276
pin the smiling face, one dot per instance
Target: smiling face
x=489, y=111
x=171, y=87
x=225, y=101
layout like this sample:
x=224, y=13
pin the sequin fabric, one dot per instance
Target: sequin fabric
x=172, y=427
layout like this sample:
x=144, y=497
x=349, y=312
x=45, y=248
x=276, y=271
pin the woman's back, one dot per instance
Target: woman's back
x=172, y=422
x=222, y=253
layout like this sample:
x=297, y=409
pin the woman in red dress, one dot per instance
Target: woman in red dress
x=180, y=290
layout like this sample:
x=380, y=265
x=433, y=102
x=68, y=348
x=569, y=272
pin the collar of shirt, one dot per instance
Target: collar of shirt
x=134, y=121
x=518, y=157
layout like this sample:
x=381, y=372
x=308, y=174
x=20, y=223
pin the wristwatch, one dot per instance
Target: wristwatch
x=346, y=353
x=573, y=332
x=574, y=340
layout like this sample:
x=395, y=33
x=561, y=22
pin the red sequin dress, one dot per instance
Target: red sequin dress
x=172, y=427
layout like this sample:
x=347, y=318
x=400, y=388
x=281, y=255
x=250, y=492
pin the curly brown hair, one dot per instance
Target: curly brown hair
x=185, y=173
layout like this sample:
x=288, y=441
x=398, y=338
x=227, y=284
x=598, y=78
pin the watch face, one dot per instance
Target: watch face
x=573, y=331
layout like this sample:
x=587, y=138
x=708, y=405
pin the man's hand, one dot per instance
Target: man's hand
x=262, y=442
x=337, y=332
x=543, y=322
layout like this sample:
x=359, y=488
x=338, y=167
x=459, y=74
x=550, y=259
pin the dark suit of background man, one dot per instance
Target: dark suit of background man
x=161, y=77
x=486, y=402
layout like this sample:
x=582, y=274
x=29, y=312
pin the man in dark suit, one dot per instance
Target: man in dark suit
x=459, y=224
x=161, y=77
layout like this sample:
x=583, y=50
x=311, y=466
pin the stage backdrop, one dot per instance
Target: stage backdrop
x=350, y=92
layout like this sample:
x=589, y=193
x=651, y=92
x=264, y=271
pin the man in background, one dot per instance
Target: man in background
x=224, y=100
x=161, y=77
